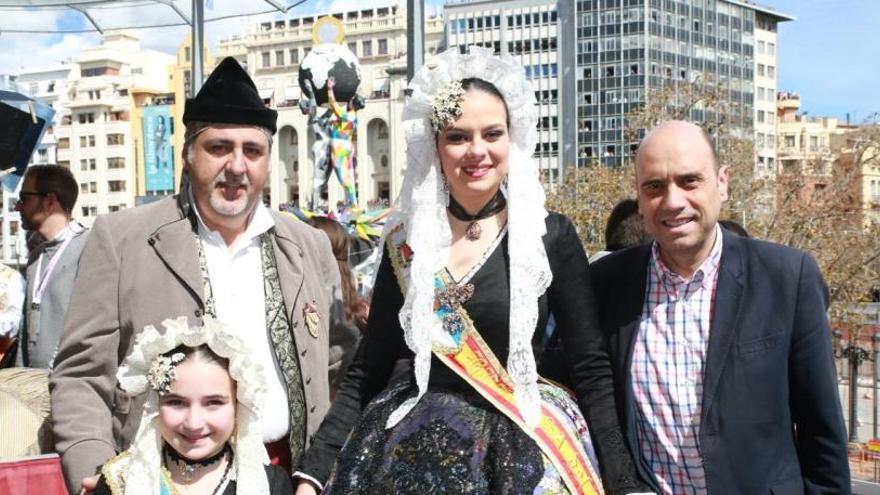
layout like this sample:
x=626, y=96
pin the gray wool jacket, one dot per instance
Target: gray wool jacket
x=139, y=267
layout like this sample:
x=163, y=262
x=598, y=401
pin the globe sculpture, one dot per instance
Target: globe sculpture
x=330, y=60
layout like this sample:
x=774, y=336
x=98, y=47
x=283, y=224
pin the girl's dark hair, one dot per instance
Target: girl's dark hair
x=202, y=352
x=339, y=243
x=486, y=87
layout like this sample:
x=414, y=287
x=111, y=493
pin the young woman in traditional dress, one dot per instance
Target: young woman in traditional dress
x=473, y=266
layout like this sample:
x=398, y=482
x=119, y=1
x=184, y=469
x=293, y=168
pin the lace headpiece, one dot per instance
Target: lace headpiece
x=421, y=208
x=147, y=370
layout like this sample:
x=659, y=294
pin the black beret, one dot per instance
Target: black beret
x=229, y=96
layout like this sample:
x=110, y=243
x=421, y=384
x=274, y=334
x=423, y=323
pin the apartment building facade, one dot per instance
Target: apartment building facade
x=627, y=49
x=95, y=128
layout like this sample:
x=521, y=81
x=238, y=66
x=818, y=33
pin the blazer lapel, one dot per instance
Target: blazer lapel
x=724, y=326
x=175, y=244
x=289, y=258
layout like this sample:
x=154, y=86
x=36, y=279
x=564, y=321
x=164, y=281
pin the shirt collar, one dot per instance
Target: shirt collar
x=705, y=274
x=260, y=222
x=72, y=228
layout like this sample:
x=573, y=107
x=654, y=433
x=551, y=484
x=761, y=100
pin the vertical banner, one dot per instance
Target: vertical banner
x=158, y=155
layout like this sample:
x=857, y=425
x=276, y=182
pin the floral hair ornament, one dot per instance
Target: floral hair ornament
x=446, y=105
x=161, y=372
x=149, y=370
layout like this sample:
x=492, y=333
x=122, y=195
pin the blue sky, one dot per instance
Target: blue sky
x=830, y=54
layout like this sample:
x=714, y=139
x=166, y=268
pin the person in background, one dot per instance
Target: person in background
x=45, y=205
x=11, y=304
x=624, y=229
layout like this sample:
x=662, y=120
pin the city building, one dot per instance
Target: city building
x=96, y=121
x=532, y=32
x=7, y=82
x=628, y=49
x=272, y=53
x=48, y=85
x=804, y=144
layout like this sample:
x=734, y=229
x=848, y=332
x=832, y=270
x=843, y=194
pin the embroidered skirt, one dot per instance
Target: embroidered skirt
x=453, y=441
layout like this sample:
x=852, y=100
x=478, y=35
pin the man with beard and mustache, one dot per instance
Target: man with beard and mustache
x=45, y=202
x=216, y=251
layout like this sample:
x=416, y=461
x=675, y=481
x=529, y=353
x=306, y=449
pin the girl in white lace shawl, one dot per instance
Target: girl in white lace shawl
x=199, y=429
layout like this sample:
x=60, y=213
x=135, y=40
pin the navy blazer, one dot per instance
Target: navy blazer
x=771, y=417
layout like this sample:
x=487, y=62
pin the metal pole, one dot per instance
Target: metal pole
x=198, y=46
x=415, y=40
x=875, y=339
x=853, y=394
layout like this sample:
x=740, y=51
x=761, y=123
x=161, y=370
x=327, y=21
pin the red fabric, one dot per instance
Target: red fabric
x=279, y=454
x=36, y=475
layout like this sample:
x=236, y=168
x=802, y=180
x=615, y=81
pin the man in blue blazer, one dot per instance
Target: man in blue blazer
x=720, y=345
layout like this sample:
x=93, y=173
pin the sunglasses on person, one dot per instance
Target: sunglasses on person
x=23, y=194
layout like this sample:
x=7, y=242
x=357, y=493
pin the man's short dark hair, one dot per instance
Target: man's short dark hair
x=57, y=180
x=625, y=227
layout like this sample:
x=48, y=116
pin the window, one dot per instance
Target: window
x=382, y=47
x=115, y=139
x=87, y=141
x=771, y=71
x=116, y=162
x=116, y=185
x=367, y=48
x=266, y=59
x=790, y=141
x=63, y=143
x=88, y=164
x=86, y=118
x=89, y=211
x=761, y=70
x=279, y=57
x=814, y=143
x=353, y=47
x=760, y=47
x=761, y=116
x=113, y=208
x=771, y=48
x=382, y=131
x=294, y=56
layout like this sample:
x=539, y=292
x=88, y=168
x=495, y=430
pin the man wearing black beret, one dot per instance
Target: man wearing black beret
x=213, y=250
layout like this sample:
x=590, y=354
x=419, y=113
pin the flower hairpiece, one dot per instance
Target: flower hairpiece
x=161, y=372
x=445, y=105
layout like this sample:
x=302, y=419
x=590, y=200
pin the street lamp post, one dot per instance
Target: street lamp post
x=875, y=342
x=856, y=356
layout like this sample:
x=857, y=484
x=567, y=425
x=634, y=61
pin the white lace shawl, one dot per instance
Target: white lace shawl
x=421, y=208
x=142, y=473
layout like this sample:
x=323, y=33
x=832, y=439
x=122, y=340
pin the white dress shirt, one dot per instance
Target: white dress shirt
x=236, y=274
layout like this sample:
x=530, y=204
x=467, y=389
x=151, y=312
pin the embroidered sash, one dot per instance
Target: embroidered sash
x=471, y=358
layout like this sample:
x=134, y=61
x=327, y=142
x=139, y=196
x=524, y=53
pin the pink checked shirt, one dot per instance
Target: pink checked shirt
x=667, y=370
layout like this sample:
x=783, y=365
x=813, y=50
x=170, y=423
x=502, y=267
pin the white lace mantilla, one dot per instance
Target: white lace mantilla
x=421, y=209
x=143, y=470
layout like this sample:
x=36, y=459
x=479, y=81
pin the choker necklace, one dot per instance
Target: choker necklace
x=187, y=467
x=473, y=230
